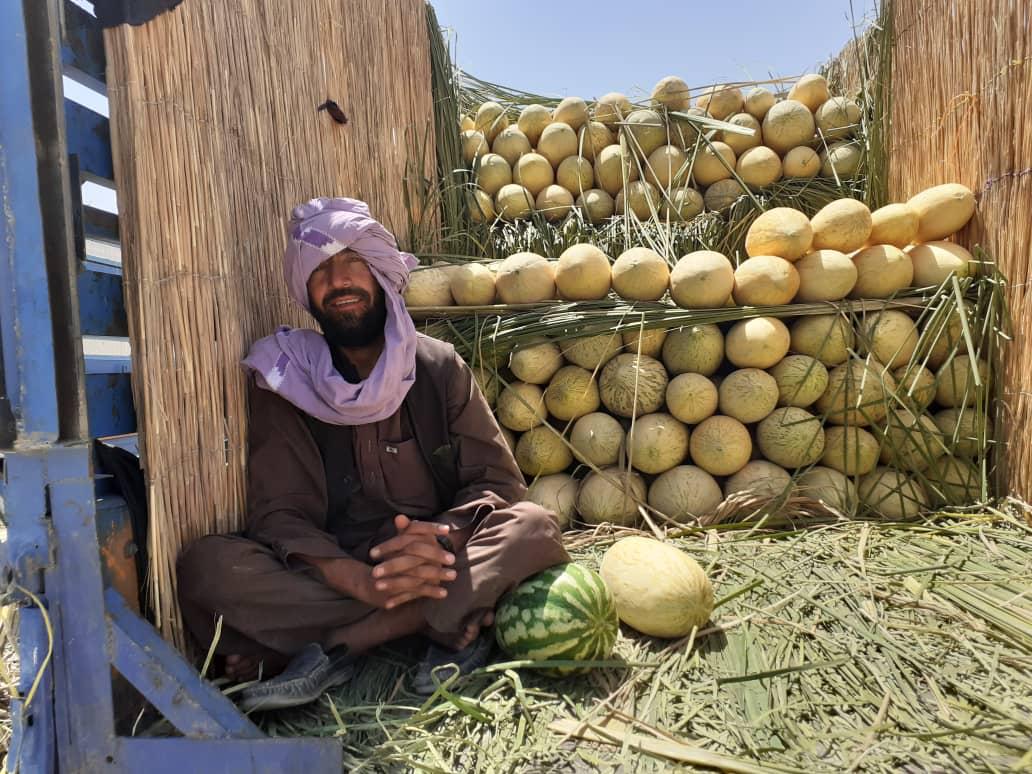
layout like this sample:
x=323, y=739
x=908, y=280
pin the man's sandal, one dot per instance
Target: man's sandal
x=441, y=664
x=310, y=673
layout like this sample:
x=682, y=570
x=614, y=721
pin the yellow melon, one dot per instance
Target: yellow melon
x=536, y=362
x=720, y=445
x=685, y=492
x=759, y=167
x=557, y=142
x=514, y=201
x=811, y=90
x=713, y=162
x=612, y=108
x=781, y=231
x=474, y=145
x=721, y=101
x=640, y=197
x=695, y=349
x=491, y=119
x=572, y=111
x=838, y=117
x=481, y=206
x=858, y=393
x=757, y=343
x=672, y=93
x=612, y=166
x=510, y=144
x=493, y=172
x=571, y=393
x=748, y=395
x=656, y=443
x=942, y=210
x=826, y=337
x=554, y=203
x=666, y=166
x=596, y=205
x=592, y=138
x=692, y=398
x=722, y=194
x=640, y=274
x=681, y=204
x=521, y=406
x=542, y=451
x=956, y=385
x=597, y=439
x=758, y=101
x=473, y=284
x=533, y=120
x=881, y=271
x=801, y=162
x=801, y=380
x=894, y=224
x=575, y=174
x=765, y=280
x=787, y=125
x=645, y=131
x=935, y=262
x=850, y=450
x=533, y=172
x=843, y=225
x=841, y=160
x=740, y=143
x=892, y=494
x=611, y=495
x=825, y=275
x=647, y=341
x=583, y=273
x=525, y=278
x=791, y=437
x=701, y=280
x=759, y=478
x=890, y=336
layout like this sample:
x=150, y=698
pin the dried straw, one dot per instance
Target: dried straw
x=216, y=136
x=961, y=86
x=856, y=646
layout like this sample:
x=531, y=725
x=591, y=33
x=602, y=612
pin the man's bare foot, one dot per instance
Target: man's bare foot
x=378, y=628
x=465, y=636
x=245, y=668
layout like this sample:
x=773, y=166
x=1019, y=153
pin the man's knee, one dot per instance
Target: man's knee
x=532, y=526
x=206, y=568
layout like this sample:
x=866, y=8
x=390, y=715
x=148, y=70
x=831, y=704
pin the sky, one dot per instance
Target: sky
x=566, y=48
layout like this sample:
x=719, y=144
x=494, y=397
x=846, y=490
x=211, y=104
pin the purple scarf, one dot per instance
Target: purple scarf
x=296, y=363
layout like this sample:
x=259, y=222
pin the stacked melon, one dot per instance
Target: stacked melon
x=876, y=407
x=652, y=160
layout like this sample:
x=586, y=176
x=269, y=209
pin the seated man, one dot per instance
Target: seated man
x=383, y=499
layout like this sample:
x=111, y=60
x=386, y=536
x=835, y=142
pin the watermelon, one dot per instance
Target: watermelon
x=563, y=613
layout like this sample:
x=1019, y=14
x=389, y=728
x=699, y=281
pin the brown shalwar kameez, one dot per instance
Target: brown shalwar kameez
x=331, y=491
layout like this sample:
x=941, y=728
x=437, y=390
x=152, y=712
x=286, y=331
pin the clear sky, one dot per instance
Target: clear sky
x=576, y=48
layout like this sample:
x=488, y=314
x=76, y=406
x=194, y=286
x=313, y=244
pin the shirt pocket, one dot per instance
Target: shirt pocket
x=408, y=482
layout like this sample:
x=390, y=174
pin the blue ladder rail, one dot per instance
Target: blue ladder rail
x=71, y=631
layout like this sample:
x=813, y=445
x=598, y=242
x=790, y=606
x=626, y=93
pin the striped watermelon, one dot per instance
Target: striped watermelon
x=565, y=612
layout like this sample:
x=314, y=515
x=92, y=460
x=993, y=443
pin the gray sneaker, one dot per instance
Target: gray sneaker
x=310, y=673
x=440, y=664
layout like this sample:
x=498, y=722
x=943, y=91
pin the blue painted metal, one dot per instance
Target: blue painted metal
x=189, y=702
x=252, y=756
x=89, y=138
x=34, y=751
x=101, y=308
x=28, y=348
x=47, y=489
x=82, y=41
x=109, y=402
x=82, y=677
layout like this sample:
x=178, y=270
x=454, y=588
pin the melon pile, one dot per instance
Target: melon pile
x=843, y=409
x=844, y=251
x=650, y=159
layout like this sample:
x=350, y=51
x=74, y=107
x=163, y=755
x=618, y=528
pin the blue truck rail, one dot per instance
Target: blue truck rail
x=65, y=381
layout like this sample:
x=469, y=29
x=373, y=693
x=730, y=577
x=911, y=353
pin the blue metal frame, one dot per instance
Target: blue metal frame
x=70, y=634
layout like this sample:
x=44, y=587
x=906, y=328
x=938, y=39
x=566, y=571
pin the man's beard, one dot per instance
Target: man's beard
x=352, y=329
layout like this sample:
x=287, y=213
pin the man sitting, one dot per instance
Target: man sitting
x=383, y=500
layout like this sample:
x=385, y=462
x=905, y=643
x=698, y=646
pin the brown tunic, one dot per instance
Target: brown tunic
x=333, y=491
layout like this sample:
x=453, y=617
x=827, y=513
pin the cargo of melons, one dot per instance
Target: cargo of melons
x=788, y=258
x=761, y=407
x=577, y=147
